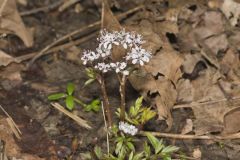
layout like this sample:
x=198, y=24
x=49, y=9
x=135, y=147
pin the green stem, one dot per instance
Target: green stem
x=80, y=102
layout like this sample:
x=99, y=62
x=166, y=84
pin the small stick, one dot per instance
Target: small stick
x=68, y=36
x=57, y=48
x=13, y=128
x=67, y=4
x=105, y=123
x=42, y=9
x=194, y=104
x=12, y=124
x=183, y=136
x=79, y=120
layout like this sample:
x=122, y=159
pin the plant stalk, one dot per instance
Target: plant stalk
x=106, y=103
x=122, y=81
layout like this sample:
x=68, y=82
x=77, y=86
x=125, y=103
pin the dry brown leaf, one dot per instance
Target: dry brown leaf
x=166, y=62
x=197, y=154
x=6, y=59
x=188, y=127
x=12, y=22
x=184, y=91
x=231, y=9
x=217, y=43
x=12, y=149
x=110, y=23
x=231, y=121
x=12, y=72
x=210, y=117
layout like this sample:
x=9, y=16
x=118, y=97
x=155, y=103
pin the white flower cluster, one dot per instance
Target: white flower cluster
x=128, y=128
x=129, y=40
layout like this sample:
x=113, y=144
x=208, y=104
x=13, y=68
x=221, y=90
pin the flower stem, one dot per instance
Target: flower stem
x=80, y=102
x=122, y=81
x=106, y=103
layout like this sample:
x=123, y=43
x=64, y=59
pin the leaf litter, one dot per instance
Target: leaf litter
x=195, y=60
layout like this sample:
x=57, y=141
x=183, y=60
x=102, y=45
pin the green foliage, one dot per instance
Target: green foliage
x=160, y=150
x=91, y=75
x=93, y=106
x=124, y=149
x=70, y=100
x=137, y=114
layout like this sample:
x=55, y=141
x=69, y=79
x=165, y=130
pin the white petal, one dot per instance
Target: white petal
x=134, y=61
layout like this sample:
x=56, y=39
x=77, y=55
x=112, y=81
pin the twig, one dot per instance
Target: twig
x=194, y=104
x=67, y=4
x=105, y=123
x=57, y=48
x=68, y=36
x=13, y=128
x=42, y=9
x=183, y=136
x=12, y=124
x=79, y=120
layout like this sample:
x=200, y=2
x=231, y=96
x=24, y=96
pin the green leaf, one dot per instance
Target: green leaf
x=96, y=108
x=131, y=156
x=138, y=156
x=95, y=102
x=70, y=88
x=70, y=102
x=147, y=149
x=89, y=81
x=118, y=147
x=98, y=152
x=138, y=103
x=157, y=145
x=56, y=96
x=169, y=149
x=131, y=146
x=90, y=73
x=147, y=114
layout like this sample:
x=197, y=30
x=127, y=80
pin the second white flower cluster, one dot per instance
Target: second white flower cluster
x=128, y=128
x=129, y=40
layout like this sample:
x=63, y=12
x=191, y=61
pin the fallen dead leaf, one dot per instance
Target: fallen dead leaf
x=231, y=9
x=12, y=22
x=197, y=154
x=231, y=122
x=6, y=59
x=188, y=127
x=12, y=149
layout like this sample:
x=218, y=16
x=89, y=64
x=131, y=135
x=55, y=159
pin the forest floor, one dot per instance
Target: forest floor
x=195, y=70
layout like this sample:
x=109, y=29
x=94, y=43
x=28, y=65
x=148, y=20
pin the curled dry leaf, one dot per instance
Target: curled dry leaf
x=231, y=9
x=157, y=79
x=12, y=22
x=12, y=149
x=6, y=59
x=188, y=127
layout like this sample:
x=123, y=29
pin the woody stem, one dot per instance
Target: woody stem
x=106, y=103
x=122, y=87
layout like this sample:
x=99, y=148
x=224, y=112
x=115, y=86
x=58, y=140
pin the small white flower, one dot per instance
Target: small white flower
x=138, y=55
x=103, y=67
x=128, y=128
x=89, y=56
x=118, y=66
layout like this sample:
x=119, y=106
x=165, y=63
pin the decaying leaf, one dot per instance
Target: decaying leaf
x=231, y=9
x=157, y=79
x=12, y=149
x=12, y=22
x=188, y=127
x=6, y=59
